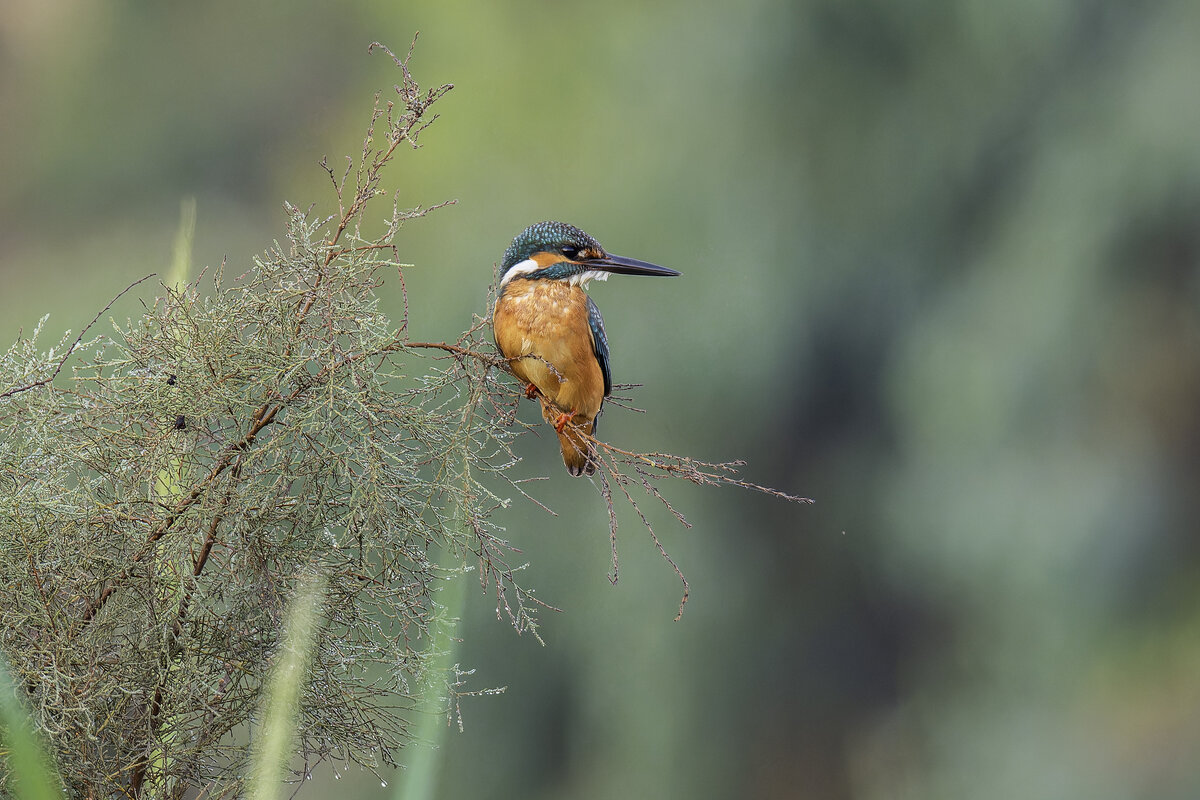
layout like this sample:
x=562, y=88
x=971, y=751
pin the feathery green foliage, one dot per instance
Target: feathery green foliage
x=301, y=430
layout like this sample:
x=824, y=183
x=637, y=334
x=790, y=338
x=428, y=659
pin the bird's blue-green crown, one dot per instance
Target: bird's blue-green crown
x=547, y=237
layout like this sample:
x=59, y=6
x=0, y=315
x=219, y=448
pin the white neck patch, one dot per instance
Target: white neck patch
x=520, y=268
x=529, y=266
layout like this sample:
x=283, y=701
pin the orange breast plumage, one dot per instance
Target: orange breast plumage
x=542, y=327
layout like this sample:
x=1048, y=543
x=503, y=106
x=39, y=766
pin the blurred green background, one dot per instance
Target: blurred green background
x=940, y=274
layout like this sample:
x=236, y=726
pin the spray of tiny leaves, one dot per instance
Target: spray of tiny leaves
x=168, y=485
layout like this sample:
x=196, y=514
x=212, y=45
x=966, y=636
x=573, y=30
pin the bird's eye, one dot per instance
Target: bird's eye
x=570, y=251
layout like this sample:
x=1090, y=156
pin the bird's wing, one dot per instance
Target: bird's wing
x=599, y=343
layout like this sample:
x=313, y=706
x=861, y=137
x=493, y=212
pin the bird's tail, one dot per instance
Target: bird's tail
x=578, y=449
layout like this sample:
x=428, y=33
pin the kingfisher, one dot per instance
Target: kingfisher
x=551, y=332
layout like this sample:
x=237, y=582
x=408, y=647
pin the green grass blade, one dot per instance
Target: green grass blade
x=419, y=781
x=273, y=747
x=30, y=776
x=181, y=260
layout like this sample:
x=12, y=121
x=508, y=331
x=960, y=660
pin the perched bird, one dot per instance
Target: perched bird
x=551, y=331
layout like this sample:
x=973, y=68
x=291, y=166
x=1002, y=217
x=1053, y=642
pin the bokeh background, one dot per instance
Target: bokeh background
x=940, y=274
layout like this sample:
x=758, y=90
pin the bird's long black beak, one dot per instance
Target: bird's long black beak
x=627, y=266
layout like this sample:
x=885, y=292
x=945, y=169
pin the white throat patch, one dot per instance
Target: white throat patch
x=592, y=274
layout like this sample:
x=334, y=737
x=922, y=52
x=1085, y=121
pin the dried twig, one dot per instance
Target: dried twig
x=70, y=350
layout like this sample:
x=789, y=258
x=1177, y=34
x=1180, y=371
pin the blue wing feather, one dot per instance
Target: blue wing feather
x=599, y=343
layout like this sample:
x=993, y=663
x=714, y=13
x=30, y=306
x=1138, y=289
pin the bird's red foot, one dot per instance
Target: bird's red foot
x=531, y=391
x=562, y=421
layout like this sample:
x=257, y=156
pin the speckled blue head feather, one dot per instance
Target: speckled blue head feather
x=546, y=237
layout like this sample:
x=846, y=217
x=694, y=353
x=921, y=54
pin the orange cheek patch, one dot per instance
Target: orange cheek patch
x=546, y=259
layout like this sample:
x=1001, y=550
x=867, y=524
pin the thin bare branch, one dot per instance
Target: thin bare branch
x=78, y=339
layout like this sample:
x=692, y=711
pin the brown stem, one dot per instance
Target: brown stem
x=262, y=418
x=138, y=777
